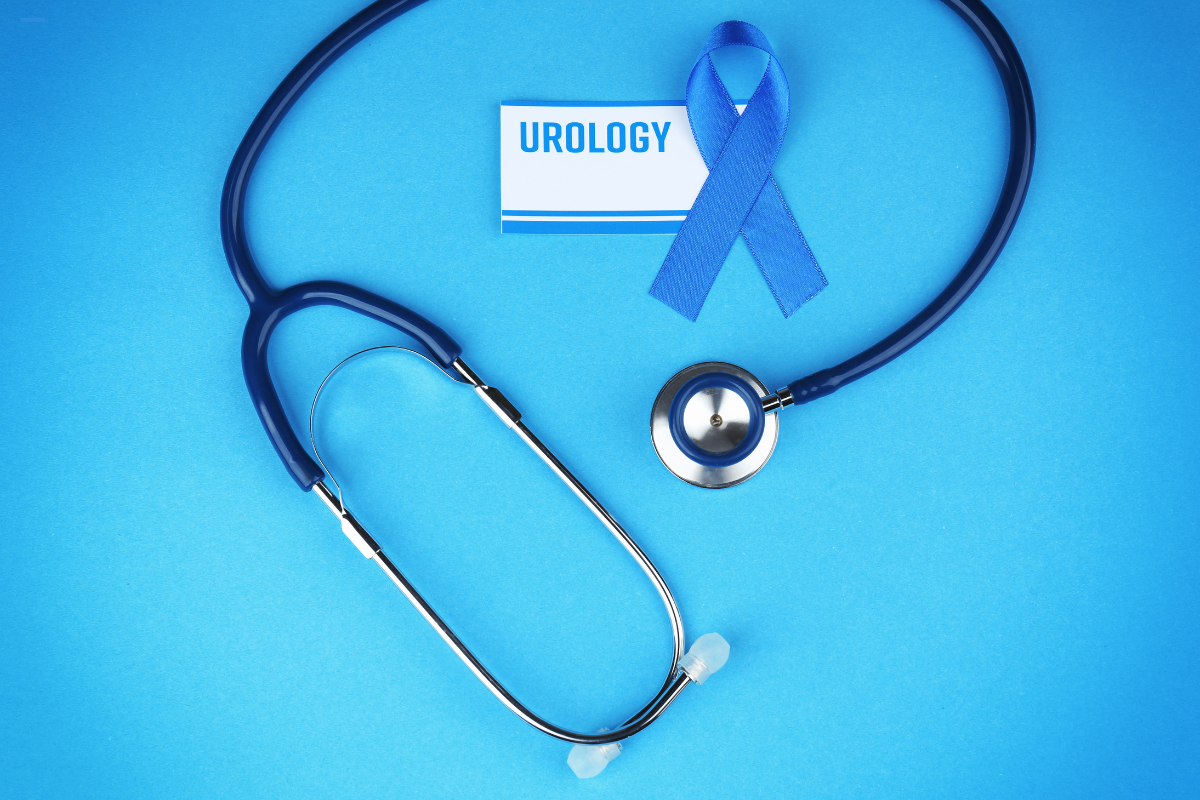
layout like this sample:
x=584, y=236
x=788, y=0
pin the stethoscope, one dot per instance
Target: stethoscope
x=713, y=424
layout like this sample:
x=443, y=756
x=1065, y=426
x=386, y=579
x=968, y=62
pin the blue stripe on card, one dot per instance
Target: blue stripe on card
x=682, y=213
x=596, y=226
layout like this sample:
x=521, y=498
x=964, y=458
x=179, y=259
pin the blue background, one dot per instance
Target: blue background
x=972, y=574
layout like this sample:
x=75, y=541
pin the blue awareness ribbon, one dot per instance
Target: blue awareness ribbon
x=740, y=196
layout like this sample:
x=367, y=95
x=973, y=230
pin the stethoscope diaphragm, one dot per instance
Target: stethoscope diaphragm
x=709, y=426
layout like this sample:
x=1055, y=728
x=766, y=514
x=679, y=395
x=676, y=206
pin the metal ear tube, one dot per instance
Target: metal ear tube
x=603, y=746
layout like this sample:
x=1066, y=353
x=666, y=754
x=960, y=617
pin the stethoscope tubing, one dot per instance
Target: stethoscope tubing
x=1022, y=136
x=269, y=308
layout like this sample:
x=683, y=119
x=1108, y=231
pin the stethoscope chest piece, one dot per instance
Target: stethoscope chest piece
x=709, y=427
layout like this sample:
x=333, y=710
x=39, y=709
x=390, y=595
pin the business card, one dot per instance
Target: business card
x=590, y=168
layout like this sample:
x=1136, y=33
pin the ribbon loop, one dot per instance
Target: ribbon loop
x=740, y=197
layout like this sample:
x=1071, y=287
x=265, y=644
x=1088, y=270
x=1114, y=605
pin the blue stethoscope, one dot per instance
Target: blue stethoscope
x=713, y=424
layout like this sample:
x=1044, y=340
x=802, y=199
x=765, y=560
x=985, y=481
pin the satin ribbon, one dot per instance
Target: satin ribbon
x=740, y=196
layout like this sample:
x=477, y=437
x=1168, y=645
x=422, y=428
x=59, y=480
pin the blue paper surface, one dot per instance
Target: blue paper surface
x=972, y=574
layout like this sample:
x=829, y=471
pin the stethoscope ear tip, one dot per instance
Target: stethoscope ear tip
x=709, y=426
x=589, y=760
x=706, y=655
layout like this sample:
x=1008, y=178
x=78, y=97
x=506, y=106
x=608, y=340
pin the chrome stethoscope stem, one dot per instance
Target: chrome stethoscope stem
x=512, y=418
x=676, y=679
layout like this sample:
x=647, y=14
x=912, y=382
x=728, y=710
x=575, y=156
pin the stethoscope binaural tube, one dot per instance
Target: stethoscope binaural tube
x=677, y=449
x=268, y=308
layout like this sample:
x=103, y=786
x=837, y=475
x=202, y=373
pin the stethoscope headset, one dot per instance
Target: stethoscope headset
x=713, y=424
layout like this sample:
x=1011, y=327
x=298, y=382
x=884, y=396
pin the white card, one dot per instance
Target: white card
x=597, y=167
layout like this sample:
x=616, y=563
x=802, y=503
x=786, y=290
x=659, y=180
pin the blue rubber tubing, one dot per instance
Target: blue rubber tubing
x=268, y=307
x=1022, y=136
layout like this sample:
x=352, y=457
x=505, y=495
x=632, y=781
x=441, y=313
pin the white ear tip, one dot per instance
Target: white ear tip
x=706, y=655
x=589, y=760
